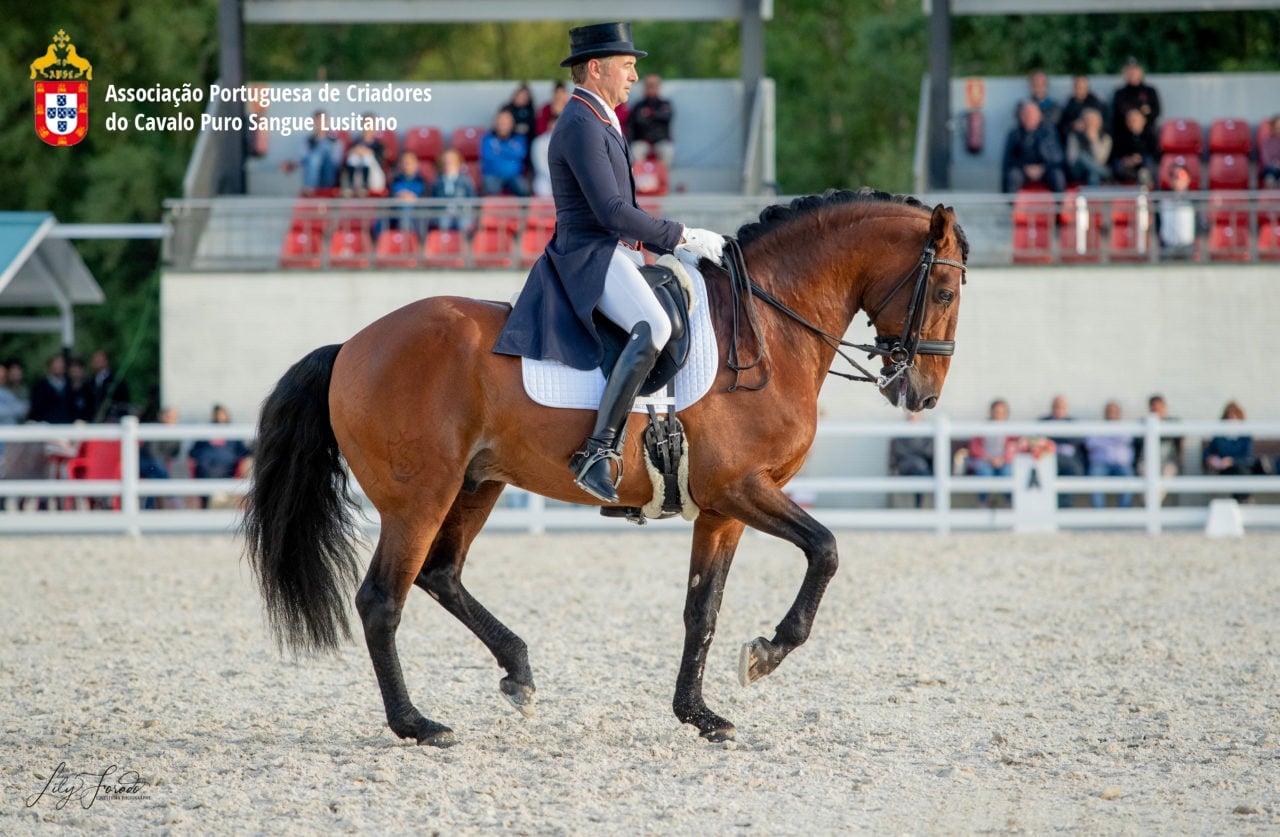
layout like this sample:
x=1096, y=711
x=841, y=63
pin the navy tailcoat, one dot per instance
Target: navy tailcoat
x=595, y=197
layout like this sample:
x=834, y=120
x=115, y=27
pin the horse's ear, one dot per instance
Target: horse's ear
x=940, y=223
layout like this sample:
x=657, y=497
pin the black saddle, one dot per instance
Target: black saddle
x=675, y=301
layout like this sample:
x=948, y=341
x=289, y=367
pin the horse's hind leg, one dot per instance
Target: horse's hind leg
x=762, y=505
x=381, y=598
x=441, y=578
x=714, y=540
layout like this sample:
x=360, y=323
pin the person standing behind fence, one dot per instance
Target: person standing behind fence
x=1069, y=449
x=1170, y=446
x=12, y=410
x=50, y=400
x=109, y=395
x=1110, y=456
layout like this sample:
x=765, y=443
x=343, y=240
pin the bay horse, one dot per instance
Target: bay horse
x=433, y=425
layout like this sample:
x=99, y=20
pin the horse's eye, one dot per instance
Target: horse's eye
x=945, y=295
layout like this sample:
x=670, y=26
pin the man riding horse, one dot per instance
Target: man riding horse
x=593, y=261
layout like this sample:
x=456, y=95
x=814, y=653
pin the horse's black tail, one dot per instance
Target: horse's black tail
x=299, y=520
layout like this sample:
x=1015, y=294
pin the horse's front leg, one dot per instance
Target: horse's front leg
x=762, y=505
x=714, y=540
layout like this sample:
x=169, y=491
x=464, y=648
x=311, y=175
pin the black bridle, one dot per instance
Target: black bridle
x=899, y=350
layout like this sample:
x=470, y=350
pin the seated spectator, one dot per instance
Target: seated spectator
x=1177, y=220
x=523, y=115
x=1269, y=157
x=1089, y=150
x=1070, y=449
x=1134, y=151
x=552, y=109
x=1232, y=455
x=156, y=458
x=1170, y=446
x=455, y=185
x=1032, y=153
x=502, y=156
x=50, y=401
x=1134, y=94
x=538, y=157
x=649, y=126
x=319, y=158
x=362, y=172
x=992, y=456
x=109, y=398
x=1038, y=85
x=1110, y=456
x=1082, y=97
x=912, y=456
x=217, y=458
x=408, y=187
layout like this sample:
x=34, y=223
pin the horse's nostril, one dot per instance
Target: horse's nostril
x=929, y=403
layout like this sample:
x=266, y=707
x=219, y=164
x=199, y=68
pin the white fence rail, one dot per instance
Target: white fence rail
x=520, y=511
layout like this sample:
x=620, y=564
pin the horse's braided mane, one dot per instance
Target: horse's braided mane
x=779, y=214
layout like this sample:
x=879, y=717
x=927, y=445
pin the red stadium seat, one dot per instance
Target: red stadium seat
x=539, y=227
x=1130, y=242
x=310, y=216
x=1229, y=241
x=1228, y=171
x=500, y=212
x=1229, y=136
x=1181, y=136
x=1033, y=215
x=1269, y=237
x=397, y=248
x=390, y=146
x=424, y=141
x=466, y=141
x=1072, y=219
x=1188, y=161
x=444, y=248
x=651, y=176
x=350, y=248
x=493, y=247
x=302, y=249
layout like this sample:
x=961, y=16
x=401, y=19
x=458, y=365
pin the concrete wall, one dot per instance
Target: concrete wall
x=1198, y=335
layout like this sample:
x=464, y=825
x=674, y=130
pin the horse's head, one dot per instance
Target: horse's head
x=915, y=317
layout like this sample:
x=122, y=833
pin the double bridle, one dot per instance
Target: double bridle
x=899, y=350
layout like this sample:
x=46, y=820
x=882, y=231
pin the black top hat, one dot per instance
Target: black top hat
x=599, y=40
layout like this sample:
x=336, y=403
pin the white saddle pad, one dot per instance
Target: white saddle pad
x=553, y=384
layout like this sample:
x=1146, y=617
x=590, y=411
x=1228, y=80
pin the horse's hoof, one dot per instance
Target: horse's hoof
x=720, y=735
x=521, y=696
x=755, y=661
x=431, y=734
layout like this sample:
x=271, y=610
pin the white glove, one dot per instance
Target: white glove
x=703, y=244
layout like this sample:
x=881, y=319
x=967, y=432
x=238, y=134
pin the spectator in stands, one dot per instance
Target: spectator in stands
x=453, y=184
x=1177, y=220
x=79, y=390
x=992, y=456
x=1170, y=446
x=649, y=126
x=109, y=395
x=50, y=401
x=540, y=160
x=1110, y=456
x=1070, y=449
x=1082, y=97
x=522, y=113
x=552, y=109
x=1269, y=157
x=362, y=172
x=217, y=458
x=1135, y=151
x=408, y=187
x=1232, y=455
x=912, y=456
x=502, y=156
x=320, y=158
x=1032, y=153
x=17, y=378
x=1089, y=150
x=1038, y=85
x=1134, y=94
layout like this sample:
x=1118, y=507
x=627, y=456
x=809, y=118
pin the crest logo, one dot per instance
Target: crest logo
x=62, y=92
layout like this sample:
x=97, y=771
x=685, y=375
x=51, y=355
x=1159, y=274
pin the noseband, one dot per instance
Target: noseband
x=896, y=349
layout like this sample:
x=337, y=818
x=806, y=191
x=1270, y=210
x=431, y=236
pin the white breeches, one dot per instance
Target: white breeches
x=627, y=298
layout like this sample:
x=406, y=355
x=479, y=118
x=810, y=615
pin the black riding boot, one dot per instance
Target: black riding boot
x=592, y=464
